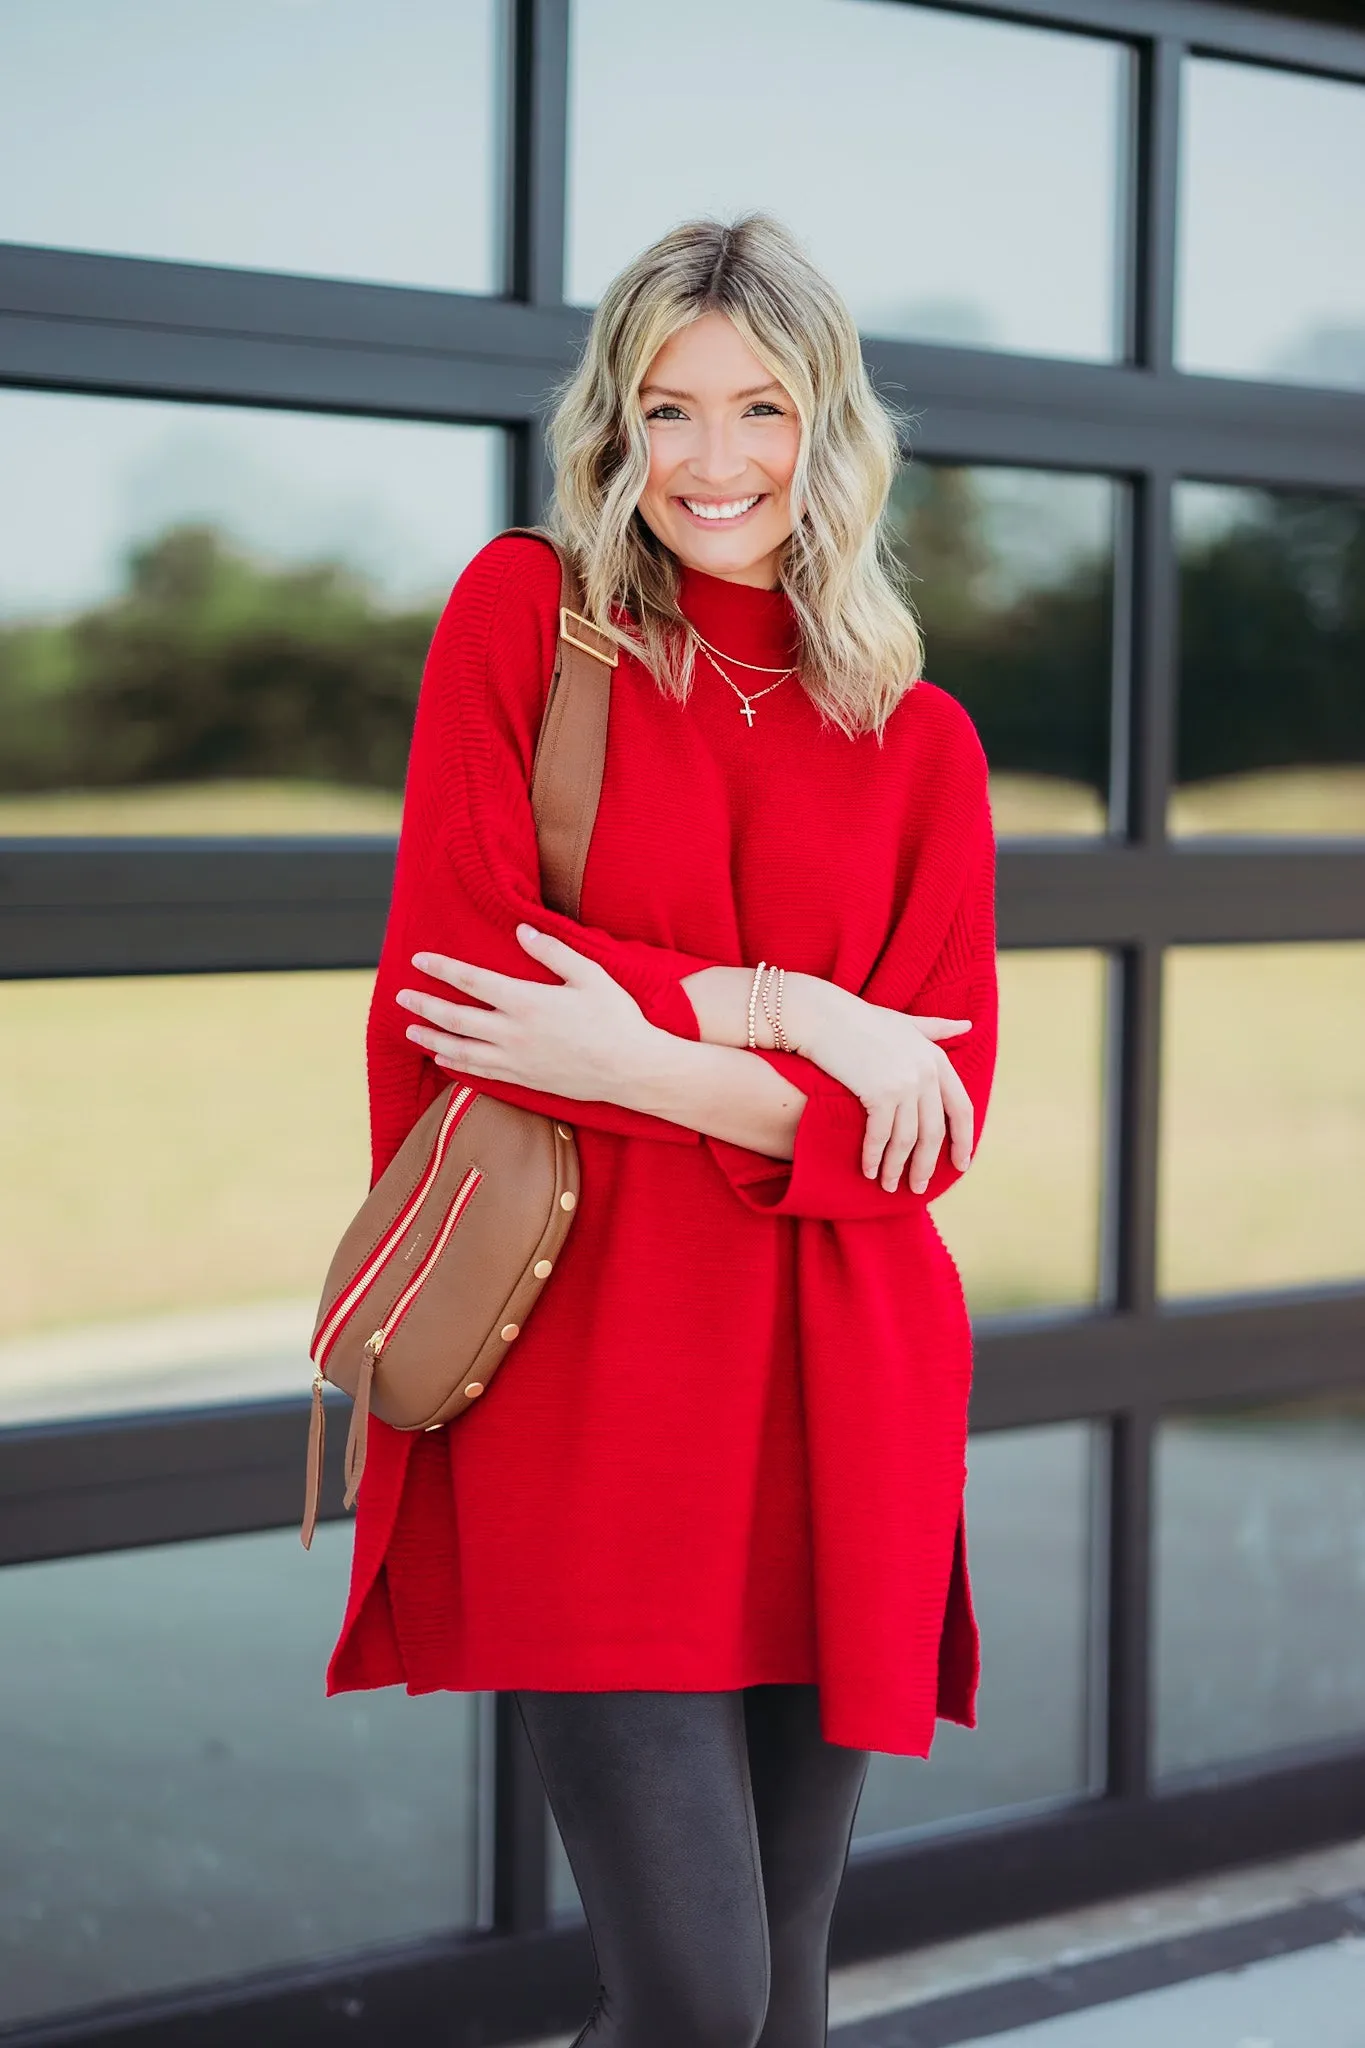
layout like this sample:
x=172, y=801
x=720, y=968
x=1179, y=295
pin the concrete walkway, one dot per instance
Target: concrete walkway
x=1113, y=1965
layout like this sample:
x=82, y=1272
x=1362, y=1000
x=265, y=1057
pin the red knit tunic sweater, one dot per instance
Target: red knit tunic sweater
x=729, y=1446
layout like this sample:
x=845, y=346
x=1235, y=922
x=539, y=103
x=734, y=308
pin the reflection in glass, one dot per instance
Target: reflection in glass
x=1272, y=167
x=1262, y=1117
x=957, y=178
x=1013, y=578
x=1271, y=723
x=563, y=1890
x=187, y=1274
x=356, y=141
x=1260, y=1596
x=1029, y=1518
x=178, y=1802
x=1024, y=1222
x=214, y=619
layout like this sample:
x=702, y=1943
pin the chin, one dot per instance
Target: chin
x=724, y=554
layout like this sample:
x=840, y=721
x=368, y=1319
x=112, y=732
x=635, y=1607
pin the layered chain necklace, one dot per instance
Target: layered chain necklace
x=747, y=699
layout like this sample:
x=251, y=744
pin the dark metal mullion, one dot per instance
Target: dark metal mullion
x=185, y=906
x=1216, y=26
x=98, y=1483
x=1143, y=707
x=1130, y=1221
x=538, y=165
x=1128, y=1692
x=1151, y=734
x=538, y=185
x=1155, y=222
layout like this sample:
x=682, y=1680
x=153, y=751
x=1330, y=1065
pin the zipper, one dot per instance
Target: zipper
x=459, y=1202
x=388, y=1245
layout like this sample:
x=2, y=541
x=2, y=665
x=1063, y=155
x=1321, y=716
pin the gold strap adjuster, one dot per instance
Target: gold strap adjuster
x=608, y=652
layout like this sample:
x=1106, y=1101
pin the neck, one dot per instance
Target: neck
x=760, y=575
x=746, y=622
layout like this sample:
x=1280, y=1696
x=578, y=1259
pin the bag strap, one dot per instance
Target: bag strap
x=571, y=751
x=566, y=783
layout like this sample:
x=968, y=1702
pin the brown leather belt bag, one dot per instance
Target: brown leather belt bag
x=452, y=1247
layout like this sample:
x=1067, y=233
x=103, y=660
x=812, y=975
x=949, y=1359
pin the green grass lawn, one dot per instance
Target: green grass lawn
x=1279, y=801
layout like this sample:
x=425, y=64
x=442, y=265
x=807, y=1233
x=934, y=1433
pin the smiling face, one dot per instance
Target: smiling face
x=723, y=443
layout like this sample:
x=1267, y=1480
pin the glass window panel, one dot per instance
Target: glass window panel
x=178, y=1801
x=177, y=1271
x=1029, y=1523
x=1013, y=577
x=1262, y=1117
x=1260, y=1591
x=564, y=1899
x=1270, y=734
x=957, y=178
x=1272, y=167
x=214, y=619
x=348, y=140
x=1024, y=1222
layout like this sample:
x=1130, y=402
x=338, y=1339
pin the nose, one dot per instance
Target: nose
x=719, y=459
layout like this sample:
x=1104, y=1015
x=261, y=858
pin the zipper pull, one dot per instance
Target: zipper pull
x=358, y=1433
x=375, y=1344
x=313, y=1472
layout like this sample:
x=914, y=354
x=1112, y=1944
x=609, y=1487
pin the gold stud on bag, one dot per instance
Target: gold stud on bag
x=449, y=1252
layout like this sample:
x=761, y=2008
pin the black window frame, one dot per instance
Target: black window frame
x=126, y=326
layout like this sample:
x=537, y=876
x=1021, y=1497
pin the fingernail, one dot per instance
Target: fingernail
x=527, y=931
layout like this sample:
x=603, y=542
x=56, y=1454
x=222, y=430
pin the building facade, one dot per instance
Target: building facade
x=283, y=290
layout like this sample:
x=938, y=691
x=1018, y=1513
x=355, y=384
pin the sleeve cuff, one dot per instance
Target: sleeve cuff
x=824, y=1176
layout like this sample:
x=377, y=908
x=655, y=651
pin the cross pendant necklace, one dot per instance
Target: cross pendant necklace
x=746, y=701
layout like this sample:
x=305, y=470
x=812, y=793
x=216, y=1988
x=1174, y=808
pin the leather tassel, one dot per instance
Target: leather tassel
x=317, y=1437
x=358, y=1434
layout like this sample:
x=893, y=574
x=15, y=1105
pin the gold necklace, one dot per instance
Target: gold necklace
x=749, y=699
x=757, y=666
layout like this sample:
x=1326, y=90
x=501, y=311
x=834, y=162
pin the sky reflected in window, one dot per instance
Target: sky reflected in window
x=332, y=137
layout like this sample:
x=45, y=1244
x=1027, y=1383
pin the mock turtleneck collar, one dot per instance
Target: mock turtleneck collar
x=737, y=617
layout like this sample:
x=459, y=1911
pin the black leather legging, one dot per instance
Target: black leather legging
x=708, y=1833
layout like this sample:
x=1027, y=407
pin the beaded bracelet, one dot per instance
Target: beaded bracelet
x=773, y=1010
x=753, y=1003
x=783, y=1043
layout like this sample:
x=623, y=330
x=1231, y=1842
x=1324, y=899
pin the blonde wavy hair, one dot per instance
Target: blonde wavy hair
x=860, y=644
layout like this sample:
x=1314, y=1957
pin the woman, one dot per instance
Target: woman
x=708, y=1525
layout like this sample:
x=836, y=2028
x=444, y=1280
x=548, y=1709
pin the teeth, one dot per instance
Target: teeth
x=733, y=510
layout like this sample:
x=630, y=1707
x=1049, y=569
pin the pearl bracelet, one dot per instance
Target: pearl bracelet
x=772, y=1010
x=753, y=1003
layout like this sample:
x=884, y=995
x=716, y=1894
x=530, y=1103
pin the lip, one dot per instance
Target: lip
x=720, y=525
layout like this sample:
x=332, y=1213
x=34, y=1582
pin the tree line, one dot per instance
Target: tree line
x=209, y=664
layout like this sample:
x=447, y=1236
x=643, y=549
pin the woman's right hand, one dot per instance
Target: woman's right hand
x=896, y=1066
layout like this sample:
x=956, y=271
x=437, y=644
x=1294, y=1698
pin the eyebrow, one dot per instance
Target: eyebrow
x=662, y=391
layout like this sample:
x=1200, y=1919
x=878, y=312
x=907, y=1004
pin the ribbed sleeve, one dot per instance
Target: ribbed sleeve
x=824, y=1177
x=468, y=869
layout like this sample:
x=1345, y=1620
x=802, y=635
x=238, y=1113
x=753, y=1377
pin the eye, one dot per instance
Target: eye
x=668, y=410
x=764, y=406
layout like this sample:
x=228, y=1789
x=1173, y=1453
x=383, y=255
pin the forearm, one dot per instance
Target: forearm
x=720, y=998
x=716, y=1089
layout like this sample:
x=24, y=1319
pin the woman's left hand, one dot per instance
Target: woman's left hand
x=575, y=1038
